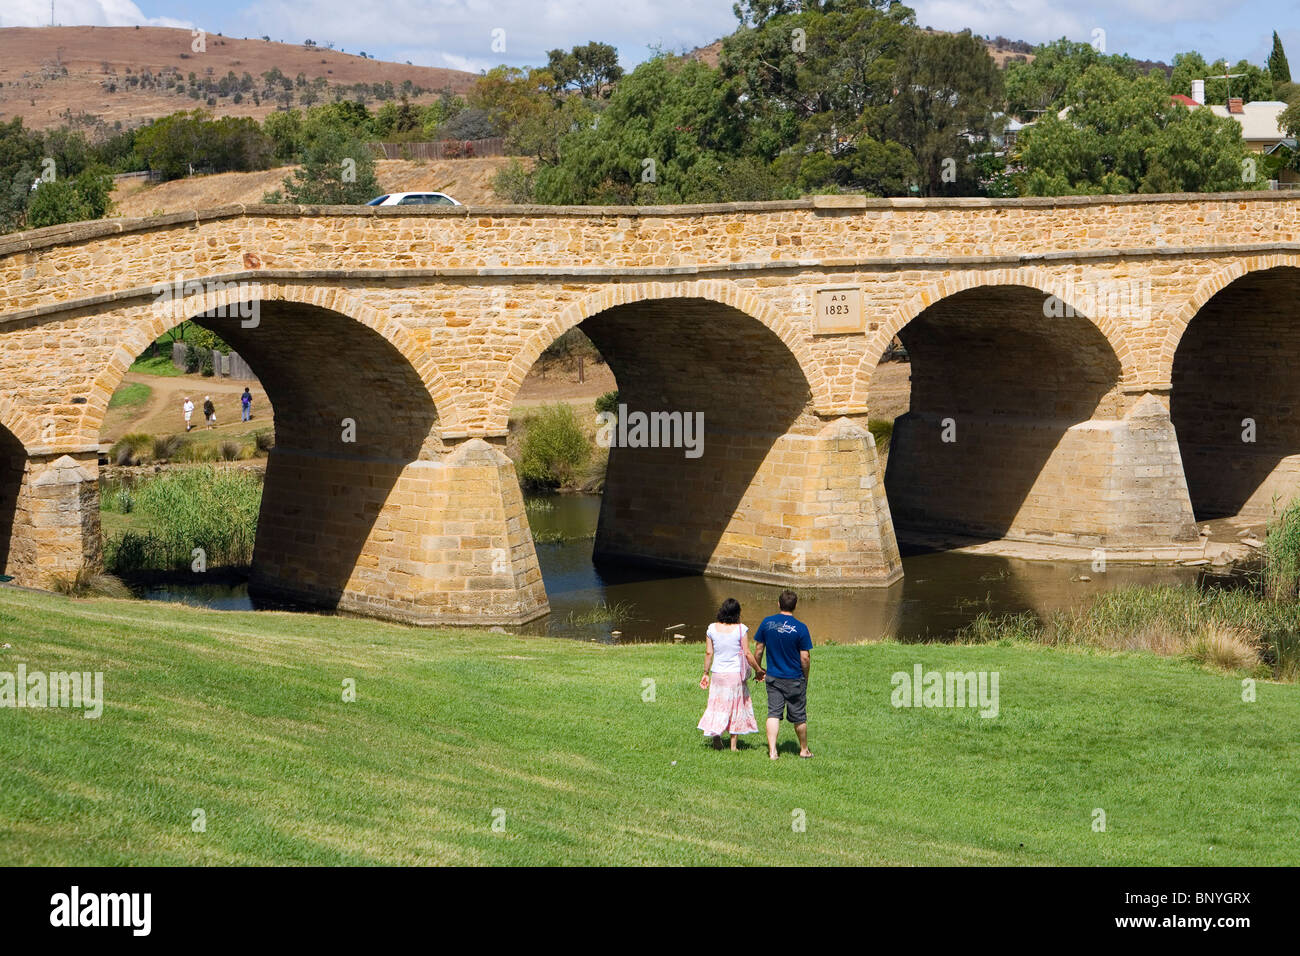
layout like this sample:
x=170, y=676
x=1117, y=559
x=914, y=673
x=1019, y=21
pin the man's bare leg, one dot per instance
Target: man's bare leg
x=773, y=725
x=801, y=731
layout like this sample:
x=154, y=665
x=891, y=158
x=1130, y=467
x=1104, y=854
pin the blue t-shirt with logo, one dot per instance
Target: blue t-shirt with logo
x=784, y=636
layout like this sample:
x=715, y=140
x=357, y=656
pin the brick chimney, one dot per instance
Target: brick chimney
x=1234, y=105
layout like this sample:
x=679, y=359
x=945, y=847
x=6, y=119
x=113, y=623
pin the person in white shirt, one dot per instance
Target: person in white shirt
x=728, y=662
x=188, y=409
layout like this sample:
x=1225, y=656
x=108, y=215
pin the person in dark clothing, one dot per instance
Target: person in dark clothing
x=788, y=645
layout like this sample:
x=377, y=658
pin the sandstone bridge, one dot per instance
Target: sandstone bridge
x=1083, y=370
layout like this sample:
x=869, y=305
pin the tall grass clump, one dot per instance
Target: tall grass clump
x=555, y=448
x=131, y=449
x=204, y=507
x=167, y=447
x=1232, y=629
x=1282, y=555
x=88, y=582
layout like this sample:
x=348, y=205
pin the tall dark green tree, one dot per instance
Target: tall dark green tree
x=20, y=164
x=1277, y=65
x=949, y=89
x=671, y=133
x=1124, y=135
x=816, y=81
x=591, y=69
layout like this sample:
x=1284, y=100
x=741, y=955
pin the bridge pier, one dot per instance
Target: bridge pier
x=51, y=503
x=427, y=542
x=805, y=510
x=1099, y=483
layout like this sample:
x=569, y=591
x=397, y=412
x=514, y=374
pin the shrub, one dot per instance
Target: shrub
x=608, y=402
x=264, y=441
x=194, y=358
x=230, y=451
x=205, y=366
x=554, y=447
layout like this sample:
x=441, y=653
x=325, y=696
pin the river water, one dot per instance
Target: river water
x=939, y=593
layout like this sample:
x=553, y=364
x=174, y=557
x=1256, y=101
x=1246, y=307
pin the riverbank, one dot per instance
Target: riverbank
x=588, y=754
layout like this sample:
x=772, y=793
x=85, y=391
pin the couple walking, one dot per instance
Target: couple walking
x=729, y=661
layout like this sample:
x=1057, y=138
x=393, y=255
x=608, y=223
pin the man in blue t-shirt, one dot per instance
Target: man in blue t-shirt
x=787, y=642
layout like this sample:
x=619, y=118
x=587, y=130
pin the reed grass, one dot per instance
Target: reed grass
x=202, y=507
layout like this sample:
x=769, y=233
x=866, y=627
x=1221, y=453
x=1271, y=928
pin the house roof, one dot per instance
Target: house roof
x=1185, y=100
x=1258, y=120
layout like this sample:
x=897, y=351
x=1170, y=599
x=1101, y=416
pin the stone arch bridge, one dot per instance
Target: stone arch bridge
x=1081, y=372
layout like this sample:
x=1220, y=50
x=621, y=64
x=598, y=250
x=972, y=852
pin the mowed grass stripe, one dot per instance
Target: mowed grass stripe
x=241, y=714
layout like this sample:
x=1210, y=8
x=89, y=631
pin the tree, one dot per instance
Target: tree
x=1039, y=85
x=1278, y=67
x=77, y=199
x=1124, y=135
x=469, y=123
x=671, y=133
x=1253, y=83
x=182, y=143
x=814, y=83
x=20, y=158
x=592, y=69
x=948, y=89
x=522, y=105
x=336, y=170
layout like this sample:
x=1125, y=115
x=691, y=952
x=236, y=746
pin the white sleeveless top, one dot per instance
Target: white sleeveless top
x=728, y=647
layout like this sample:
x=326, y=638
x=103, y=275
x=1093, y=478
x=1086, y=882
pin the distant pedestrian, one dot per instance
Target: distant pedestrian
x=209, y=411
x=188, y=409
x=246, y=405
x=788, y=644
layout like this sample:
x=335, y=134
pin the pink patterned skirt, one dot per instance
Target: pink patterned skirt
x=730, y=709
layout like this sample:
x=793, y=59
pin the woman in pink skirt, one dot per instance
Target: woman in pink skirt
x=728, y=662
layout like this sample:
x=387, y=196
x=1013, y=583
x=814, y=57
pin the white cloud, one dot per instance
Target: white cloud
x=99, y=13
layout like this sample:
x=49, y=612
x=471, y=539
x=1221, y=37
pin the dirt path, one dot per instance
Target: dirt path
x=161, y=414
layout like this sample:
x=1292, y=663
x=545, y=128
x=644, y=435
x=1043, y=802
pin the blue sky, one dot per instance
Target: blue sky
x=460, y=33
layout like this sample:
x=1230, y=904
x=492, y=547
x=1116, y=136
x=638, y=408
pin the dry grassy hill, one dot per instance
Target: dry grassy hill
x=468, y=180
x=33, y=86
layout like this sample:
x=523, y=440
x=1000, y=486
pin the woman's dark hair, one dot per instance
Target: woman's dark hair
x=729, y=613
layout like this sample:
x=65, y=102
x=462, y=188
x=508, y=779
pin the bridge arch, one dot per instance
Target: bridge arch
x=19, y=423
x=1041, y=280
x=1016, y=425
x=331, y=300
x=1234, y=395
x=722, y=293
x=1206, y=290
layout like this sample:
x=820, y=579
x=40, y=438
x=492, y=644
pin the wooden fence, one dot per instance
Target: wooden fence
x=445, y=149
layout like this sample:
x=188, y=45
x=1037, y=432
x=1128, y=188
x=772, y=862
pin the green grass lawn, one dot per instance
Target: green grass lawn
x=156, y=365
x=131, y=395
x=241, y=714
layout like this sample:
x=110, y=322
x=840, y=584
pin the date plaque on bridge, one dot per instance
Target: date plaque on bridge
x=838, y=311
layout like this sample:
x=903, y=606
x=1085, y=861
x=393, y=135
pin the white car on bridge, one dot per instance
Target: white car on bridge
x=413, y=199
